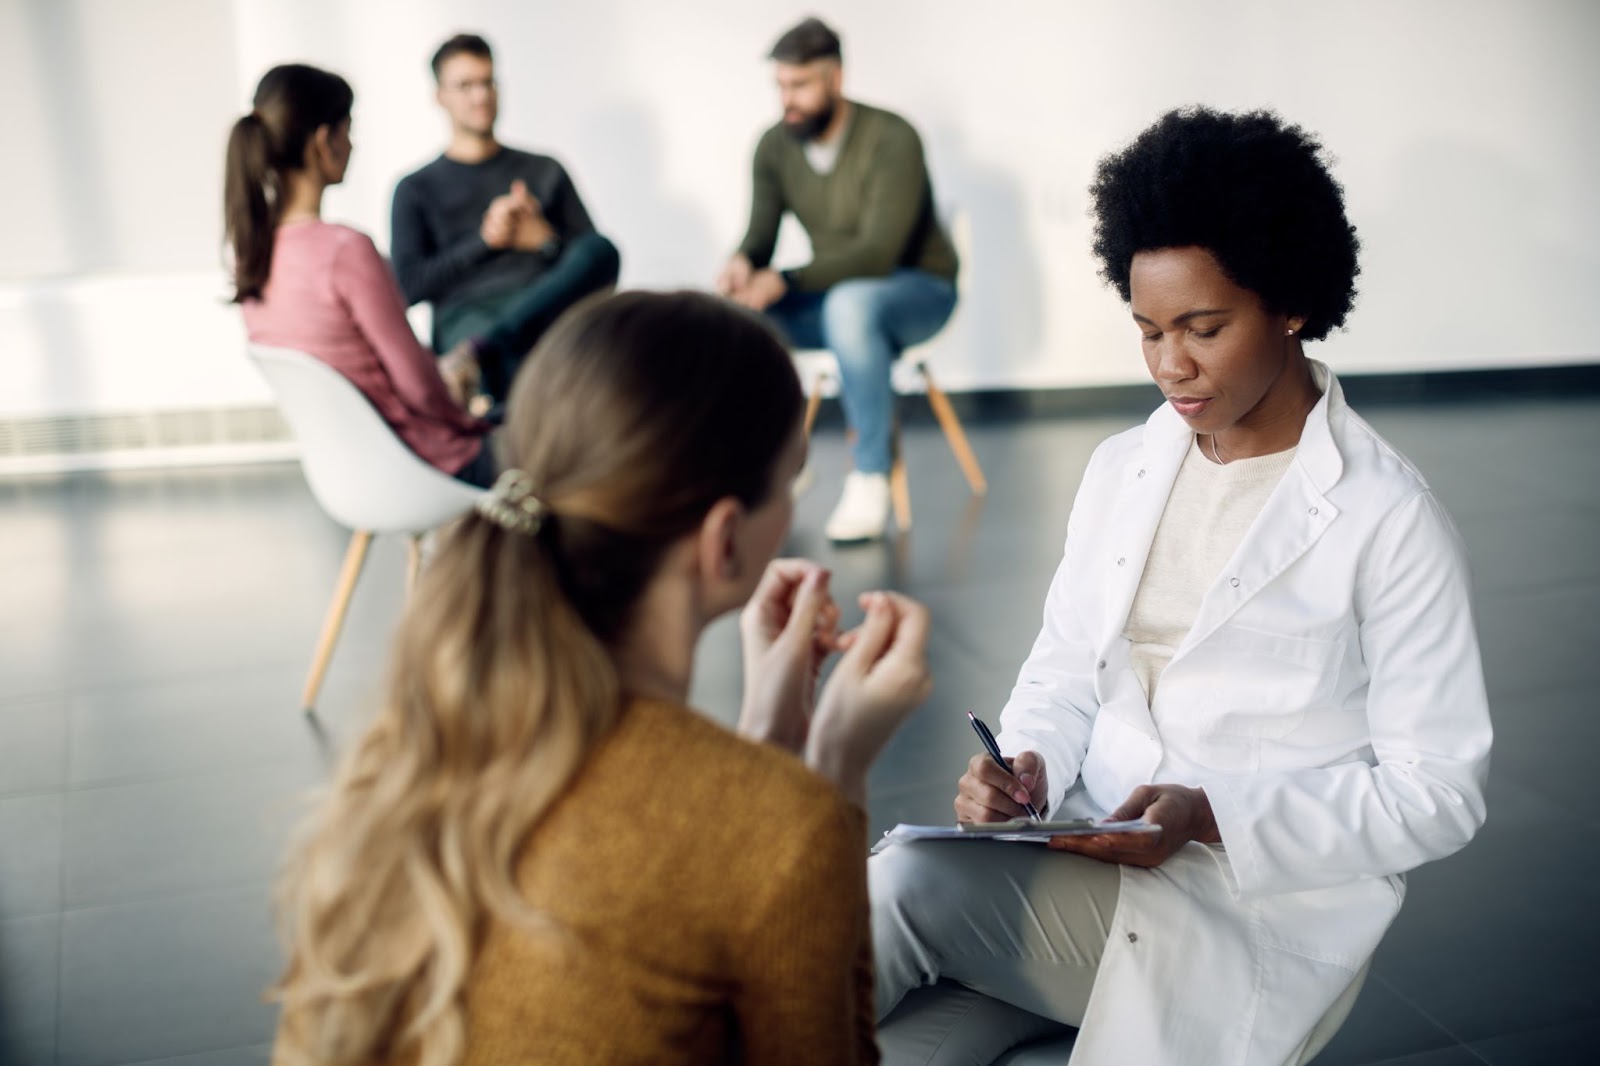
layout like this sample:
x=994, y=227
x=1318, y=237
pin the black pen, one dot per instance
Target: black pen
x=993, y=749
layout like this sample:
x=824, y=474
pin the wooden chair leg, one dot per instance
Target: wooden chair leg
x=354, y=558
x=413, y=563
x=814, y=403
x=954, y=434
x=900, y=495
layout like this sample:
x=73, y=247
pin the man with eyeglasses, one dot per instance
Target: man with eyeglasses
x=495, y=238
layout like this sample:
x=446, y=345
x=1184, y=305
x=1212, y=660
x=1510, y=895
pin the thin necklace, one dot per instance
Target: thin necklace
x=1220, y=460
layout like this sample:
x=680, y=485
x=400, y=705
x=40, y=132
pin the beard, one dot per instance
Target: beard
x=809, y=127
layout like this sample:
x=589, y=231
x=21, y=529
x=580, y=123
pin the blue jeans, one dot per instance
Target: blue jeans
x=507, y=326
x=866, y=323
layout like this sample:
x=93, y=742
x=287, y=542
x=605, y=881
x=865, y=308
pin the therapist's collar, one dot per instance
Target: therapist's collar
x=1317, y=454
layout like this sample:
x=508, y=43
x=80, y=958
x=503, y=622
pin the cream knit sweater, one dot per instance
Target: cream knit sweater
x=1207, y=514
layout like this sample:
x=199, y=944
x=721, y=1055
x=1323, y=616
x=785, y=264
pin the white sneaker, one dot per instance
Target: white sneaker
x=863, y=510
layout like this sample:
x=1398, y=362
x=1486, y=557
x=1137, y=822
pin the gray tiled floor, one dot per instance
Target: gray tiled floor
x=156, y=627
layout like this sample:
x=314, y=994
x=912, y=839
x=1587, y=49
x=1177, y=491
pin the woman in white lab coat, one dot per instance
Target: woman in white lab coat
x=1259, y=638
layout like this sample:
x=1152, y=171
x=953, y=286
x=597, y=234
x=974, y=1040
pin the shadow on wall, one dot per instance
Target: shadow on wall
x=73, y=144
x=1000, y=321
x=665, y=242
x=54, y=320
x=84, y=218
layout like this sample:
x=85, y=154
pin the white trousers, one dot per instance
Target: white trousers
x=981, y=946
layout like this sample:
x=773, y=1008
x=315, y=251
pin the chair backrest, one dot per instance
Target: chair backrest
x=359, y=471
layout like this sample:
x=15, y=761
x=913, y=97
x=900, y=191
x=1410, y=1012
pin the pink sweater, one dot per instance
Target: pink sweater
x=331, y=295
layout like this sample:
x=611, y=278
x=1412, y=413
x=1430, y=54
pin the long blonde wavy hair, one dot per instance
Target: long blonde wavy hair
x=633, y=416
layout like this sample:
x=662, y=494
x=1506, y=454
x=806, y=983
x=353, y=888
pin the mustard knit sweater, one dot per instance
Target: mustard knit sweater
x=712, y=898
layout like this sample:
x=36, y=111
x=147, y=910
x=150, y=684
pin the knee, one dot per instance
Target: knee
x=906, y=888
x=592, y=258
x=852, y=316
x=607, y=260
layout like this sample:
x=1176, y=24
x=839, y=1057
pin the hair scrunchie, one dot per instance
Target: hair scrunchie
x=512, y=505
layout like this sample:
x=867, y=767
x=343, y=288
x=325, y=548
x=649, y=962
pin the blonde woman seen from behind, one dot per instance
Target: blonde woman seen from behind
x=537, y=852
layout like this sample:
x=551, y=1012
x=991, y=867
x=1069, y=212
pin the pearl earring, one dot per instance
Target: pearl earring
x=1288, y=333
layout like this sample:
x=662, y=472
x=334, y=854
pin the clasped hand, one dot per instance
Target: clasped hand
x=749, y=287
x=516, y=220
x=789, y=630
x=987, y=793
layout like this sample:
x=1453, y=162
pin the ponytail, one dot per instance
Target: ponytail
x=496, y=691
x=636, y=415
x=291, y=103
x=250, y=205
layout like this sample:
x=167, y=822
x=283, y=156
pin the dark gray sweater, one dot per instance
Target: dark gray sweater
x=434, y=243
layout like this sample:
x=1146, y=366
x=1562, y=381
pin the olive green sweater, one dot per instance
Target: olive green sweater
x=873, y=213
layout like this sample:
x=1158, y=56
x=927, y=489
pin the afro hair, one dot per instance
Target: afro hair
x=1248, y=188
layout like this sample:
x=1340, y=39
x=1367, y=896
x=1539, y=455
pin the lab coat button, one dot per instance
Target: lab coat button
x=1133, y=938
x=1234, y=582
x=1141, y=473
x=1121, y=561
x=1101, y=664
x=1313, y=510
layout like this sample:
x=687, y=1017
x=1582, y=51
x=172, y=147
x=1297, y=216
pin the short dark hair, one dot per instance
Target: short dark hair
x=1249, y=188
x=811, y=39
x=461, y=44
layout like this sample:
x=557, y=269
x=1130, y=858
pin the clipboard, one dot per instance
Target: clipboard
x=1017, y=829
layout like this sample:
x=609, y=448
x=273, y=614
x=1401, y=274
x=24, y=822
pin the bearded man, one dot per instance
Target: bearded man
x=882, y=272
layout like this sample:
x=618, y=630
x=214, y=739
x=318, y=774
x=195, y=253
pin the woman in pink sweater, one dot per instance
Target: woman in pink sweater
x=322, y=288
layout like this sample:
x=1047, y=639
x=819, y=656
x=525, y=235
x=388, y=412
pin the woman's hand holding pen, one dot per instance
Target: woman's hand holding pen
x=882, y=677
x=789, y=627
x=1183, y=813
x=987, y=793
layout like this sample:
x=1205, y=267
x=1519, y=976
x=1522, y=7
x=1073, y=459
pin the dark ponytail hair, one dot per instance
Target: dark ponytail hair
x=291, y=103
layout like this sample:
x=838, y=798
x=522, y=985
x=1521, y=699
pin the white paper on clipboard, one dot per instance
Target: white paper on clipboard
x=1018, y=829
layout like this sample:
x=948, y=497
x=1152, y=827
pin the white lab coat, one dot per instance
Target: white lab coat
x=1329, y=699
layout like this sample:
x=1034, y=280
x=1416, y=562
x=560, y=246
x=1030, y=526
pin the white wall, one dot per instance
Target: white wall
x=1463, y=131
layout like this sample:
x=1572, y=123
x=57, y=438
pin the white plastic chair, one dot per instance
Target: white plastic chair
x=360, y=473
x=819, y=370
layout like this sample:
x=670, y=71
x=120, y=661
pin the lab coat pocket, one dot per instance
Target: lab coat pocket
x=1264, y=683
x=1338, y=926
